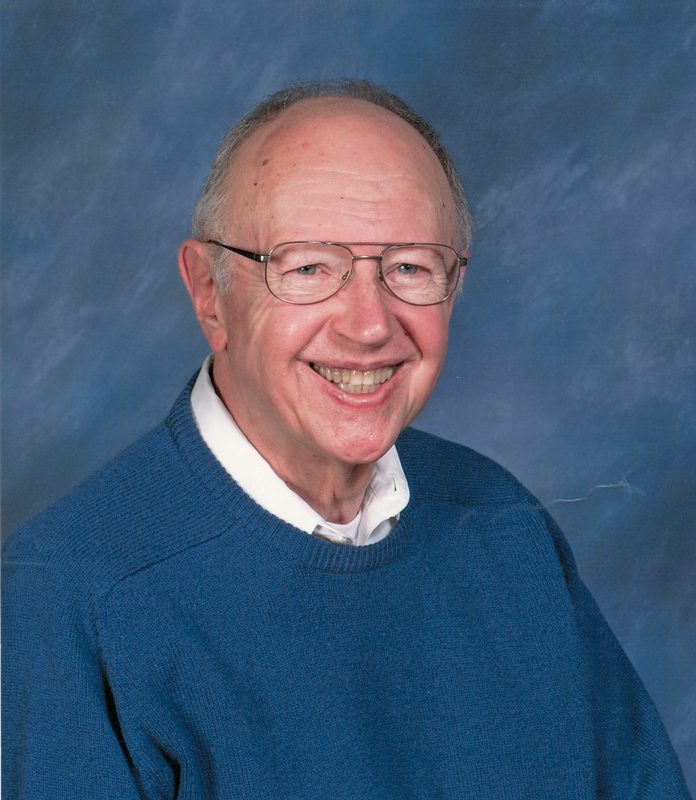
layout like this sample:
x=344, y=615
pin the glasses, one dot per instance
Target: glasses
x=309, y=272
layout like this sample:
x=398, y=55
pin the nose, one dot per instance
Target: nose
x=364, y=312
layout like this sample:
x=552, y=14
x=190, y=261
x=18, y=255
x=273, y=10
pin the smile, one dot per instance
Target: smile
x=355, y=381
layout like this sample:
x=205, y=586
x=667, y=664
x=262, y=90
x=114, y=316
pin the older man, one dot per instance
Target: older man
x=265, y=598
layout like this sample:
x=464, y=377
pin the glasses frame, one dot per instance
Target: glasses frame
x=264, y=258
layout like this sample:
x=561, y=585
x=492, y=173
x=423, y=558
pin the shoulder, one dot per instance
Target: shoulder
x=450, y=471
x=106, y=515
x=477, y=488
x=137, y=509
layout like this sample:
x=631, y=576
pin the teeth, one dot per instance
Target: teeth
x=355, y=381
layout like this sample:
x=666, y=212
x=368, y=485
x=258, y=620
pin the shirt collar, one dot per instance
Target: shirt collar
x=386, y=496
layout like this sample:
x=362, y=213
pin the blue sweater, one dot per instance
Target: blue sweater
x=168, y=638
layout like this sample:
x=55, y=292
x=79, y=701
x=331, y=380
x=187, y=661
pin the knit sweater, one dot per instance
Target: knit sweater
x=168, y=638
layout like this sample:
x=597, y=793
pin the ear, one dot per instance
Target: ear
x=195, y=268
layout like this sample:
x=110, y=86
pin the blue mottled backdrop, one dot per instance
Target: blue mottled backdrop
x=573, y=357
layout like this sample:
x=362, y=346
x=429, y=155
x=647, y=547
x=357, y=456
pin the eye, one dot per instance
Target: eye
x=406, y=269
x=307, y=269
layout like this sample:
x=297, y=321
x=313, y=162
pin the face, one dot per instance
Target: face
x=343, y=171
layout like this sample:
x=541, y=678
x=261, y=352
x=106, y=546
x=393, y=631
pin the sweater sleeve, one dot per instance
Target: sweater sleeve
x=60, y=726
x=635, y=759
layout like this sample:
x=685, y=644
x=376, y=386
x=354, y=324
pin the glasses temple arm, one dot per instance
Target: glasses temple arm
x=260, y=257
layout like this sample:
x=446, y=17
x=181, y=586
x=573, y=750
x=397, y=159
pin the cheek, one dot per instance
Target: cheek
x=430, y=333
x=275, y=335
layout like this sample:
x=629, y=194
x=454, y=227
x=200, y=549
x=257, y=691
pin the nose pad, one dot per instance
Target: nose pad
x=347, y=275
x=378, y=268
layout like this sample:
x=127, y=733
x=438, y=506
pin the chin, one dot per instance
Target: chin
x=362, y=448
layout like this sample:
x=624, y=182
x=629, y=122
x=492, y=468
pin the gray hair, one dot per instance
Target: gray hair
x=208, y=216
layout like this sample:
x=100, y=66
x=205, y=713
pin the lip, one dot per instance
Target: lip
x=354, y=365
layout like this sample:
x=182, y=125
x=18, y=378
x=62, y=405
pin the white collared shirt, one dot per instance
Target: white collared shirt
x=386, y=496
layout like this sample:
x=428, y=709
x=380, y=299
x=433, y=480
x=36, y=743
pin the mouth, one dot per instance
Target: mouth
x=356, y=381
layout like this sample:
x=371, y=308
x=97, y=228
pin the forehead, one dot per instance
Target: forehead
x=326, y=150
x=332, y=127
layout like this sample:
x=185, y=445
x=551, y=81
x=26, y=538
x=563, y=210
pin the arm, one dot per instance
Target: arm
x=61, y=728
x=635, y=760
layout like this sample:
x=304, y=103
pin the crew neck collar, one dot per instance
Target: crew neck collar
x=227, y=506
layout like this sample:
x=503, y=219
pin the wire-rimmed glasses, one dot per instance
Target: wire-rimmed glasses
x=422, y=274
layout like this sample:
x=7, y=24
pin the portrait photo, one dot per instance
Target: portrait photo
x=290, y=292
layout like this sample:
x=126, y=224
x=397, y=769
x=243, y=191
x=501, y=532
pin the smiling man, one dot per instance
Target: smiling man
x=324, y=353
x=285, y=591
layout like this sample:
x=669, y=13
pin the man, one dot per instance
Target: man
x=265, y=598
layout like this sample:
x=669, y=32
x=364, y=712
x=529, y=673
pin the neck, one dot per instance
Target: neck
x=335, y=494
x=334, y=489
